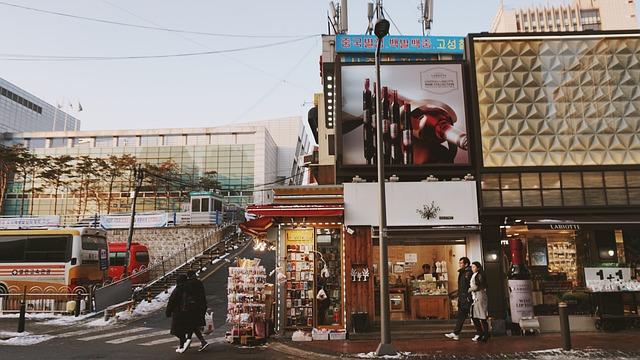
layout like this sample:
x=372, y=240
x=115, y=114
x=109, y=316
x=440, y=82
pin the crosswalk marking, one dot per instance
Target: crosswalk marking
x=161, y=341
x=80, y=332
x=130, y=331
x=139, y=336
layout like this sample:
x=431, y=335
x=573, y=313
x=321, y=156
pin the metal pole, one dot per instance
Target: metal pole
x=23, y=310
x=564, y=325
x=385, y=347
x=138, y=174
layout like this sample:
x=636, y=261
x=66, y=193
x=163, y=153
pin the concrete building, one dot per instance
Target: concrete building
x=21, y=111
x=579, y=15
x=246, y=159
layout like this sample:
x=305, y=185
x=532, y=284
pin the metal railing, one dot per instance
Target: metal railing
x=44, y=303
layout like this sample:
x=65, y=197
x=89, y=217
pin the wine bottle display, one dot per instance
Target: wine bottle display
x=386, y=126
x=520, y=294
x=394, y=130
x=407, y=134
x=367, y=128
x=436, y=124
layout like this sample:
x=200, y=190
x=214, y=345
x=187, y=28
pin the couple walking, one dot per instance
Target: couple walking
x=472, y=299
x=187, y=307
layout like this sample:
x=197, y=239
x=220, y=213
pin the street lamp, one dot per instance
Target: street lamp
x=381, y=29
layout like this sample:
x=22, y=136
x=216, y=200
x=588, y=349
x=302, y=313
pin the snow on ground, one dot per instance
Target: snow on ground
x=372, y=355
x=25, y=338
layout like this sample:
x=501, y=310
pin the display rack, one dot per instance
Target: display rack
x=300, y=286
x=246, y=300
x=562, y=259
x=331, y=283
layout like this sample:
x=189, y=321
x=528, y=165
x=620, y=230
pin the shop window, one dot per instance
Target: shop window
x=572, y=197
x=592, y=180
x=595, y=197
x=617, y=197
x=510, y=181
x=571, y=180
x=531, y=198
x=490, y=181
x=634, y=196
x=614, y=179
x=491, y=199
x=511, y=198
x=551, y=198
x=329, y=276
x=550, y=181
x=606, y=244
x=530, y=180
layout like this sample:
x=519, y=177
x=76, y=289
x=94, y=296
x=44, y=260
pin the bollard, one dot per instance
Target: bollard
x=78, y=302
x=564, y=325
x=23, y=310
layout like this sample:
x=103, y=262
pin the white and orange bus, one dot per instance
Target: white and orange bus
x=63, y=260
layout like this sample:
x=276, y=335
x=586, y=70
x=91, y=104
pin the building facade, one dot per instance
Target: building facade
x=246, y=160
x=579, y=15
x=21, y=111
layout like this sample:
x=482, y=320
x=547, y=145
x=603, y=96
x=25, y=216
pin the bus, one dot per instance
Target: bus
x=61, y=260
x=138, y=261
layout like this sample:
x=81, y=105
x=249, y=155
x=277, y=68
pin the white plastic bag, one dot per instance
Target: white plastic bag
x=208, y=323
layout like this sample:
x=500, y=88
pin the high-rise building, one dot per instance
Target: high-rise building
x=21, y=111
x=579, y=15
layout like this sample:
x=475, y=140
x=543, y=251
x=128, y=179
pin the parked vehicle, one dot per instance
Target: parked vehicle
x=61, y=260
x=138, y=261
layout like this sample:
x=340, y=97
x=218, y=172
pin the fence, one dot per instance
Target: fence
x=44, y=303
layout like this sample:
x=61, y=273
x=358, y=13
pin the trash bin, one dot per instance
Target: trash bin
x=360, y=321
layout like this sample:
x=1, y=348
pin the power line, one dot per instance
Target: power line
x=143, y=26
x=22, y=57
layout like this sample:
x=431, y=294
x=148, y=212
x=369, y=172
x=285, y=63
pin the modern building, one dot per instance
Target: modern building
x=246, y=160
x=21, y=111
x=578, y=15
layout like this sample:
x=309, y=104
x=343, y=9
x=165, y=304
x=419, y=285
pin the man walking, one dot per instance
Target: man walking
x=464, y=303
x=200, y=300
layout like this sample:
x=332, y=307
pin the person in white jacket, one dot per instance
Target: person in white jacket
x=479, y=305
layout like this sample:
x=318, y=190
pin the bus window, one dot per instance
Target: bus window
x=12, y=248
x=47, y=249
x=142, y=257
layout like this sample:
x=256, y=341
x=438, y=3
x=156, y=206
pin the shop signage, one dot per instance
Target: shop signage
x=555, y=226
x=443, y=203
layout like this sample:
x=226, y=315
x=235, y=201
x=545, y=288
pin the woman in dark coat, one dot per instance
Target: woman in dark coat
x=179, y=312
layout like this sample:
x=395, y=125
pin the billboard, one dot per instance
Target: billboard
x=423, y=114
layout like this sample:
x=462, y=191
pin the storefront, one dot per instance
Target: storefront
x=558, y=253
x=307, y=234
x=426, y=235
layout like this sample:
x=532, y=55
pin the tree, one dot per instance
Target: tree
x=208, y=181
x=8, y=160
x=115, y=168
x=55, y=175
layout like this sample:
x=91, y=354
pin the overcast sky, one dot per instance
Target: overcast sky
x=136, y=64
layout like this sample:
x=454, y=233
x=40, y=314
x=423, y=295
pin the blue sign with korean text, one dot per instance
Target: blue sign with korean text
x=400, y=44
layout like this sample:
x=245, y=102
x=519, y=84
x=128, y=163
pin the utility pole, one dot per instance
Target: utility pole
x=138, y=174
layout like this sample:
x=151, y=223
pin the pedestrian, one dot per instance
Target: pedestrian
x=200, y=309
x=177, y=310
x=478, y=290
x=464, y=302
x=426, y=270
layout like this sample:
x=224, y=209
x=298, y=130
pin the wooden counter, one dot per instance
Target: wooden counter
x=432, y=306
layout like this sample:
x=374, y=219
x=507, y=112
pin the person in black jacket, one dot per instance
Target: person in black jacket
x=464, y=302
x=200, y=309
x=178, y=311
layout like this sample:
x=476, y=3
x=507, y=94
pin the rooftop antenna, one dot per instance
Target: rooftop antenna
x=370, y=17
x=334, y=17
x=344, y=18
x=427, y=15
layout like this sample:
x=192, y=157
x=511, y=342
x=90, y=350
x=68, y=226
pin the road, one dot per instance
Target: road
x=148, y=337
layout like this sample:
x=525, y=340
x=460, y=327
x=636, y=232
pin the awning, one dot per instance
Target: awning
x=257, y=227
x=296, y=210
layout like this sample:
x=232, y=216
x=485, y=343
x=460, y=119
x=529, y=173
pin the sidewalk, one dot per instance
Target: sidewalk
x=593, y=345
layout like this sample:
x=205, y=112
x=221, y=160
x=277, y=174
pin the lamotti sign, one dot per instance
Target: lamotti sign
x=555, y=226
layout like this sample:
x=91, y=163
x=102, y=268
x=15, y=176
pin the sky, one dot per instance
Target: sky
x=155, y=64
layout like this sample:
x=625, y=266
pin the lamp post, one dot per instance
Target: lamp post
x=381, y=29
